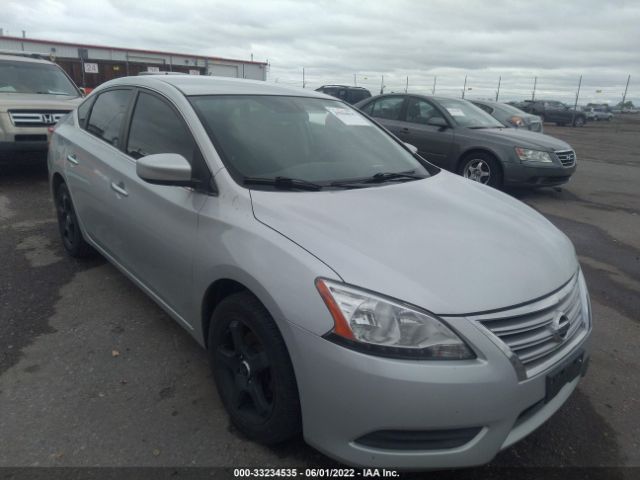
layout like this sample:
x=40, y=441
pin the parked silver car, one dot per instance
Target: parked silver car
x=397, y=314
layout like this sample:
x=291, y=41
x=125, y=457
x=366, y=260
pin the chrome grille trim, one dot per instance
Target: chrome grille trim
x=526, y=332
x=567, y=157
x=36, y=119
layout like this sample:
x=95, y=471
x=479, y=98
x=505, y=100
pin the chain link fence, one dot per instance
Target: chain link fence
x=607, y=89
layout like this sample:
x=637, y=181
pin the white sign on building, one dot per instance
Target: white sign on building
x=194, y=72
x=153, y=69
x=90, y=68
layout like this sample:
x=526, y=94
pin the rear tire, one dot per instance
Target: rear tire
x=68, y=225
x=579, y=122
x=253, y=371
x=482, y=168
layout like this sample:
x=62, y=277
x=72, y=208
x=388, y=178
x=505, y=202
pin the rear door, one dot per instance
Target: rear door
x=388, y=111
x=90, y=163
x=433, y=143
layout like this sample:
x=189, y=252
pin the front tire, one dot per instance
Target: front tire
x=68, y=225
x=253, y=371
x=482, y=168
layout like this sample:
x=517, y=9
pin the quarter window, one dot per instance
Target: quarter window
x=388, y=108
x=156, y=128
x=107, y=115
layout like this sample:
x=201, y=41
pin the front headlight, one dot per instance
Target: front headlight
x=537, y=156
x=377, y=325
x=584, y=300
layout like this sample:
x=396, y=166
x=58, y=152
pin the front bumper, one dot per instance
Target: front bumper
x=346, y=395
x=522, y=175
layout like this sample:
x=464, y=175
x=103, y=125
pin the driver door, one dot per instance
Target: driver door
x=434, y=143
x=158, y=224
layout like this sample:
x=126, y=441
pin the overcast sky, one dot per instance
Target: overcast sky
x=556, y=40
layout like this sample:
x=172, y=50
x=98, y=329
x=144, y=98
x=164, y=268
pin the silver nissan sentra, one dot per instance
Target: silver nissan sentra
x=396, y=314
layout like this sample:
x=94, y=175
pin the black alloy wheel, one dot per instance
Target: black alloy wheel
x=253, y=371
x=68, y=225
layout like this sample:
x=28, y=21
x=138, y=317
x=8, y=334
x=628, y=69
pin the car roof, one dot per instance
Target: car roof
x=419, y=95
x=343, y=86
x=18, y=57
x=209, y=85
x=485, y=102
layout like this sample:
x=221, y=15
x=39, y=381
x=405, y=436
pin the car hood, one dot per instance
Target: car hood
x=445, y=243
x=9, y=101
x=518, y=138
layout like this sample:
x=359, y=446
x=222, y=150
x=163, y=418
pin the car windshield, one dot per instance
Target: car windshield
x=24, y=77
x=466, y=114
x=299, y=139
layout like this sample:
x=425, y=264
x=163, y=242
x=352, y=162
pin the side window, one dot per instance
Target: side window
x=388, y=108
x=486, y=108
x=83, y=111
x=419, y=111
x=107, y=115
x=368, y=108
x=157, y=128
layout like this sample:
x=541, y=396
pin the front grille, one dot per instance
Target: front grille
x=543, y=332
x=36, y=118
x=566, y=157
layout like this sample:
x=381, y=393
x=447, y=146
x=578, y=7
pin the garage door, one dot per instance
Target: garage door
x=224, y=70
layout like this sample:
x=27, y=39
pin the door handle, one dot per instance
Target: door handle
x=71, y=158
x=119, y=189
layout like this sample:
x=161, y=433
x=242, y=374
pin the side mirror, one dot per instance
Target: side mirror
x=165, y=169
x=437, y=122
x=83, y=91
x=412, y=148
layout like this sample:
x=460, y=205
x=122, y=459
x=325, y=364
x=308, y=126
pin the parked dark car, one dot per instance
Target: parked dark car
x=456, y=135
x=555, y=112
x=510, y=116
x=351, y=95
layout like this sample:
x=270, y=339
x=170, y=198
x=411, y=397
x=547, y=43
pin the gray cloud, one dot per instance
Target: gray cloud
x=518, y=40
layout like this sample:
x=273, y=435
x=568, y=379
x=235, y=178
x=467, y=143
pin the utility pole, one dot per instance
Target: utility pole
x=382, y=85
x=355, y=80
x=533, y=94
x=406, y=86
x=498, y=91
x=433, y=90
x=624, y=95
x=304, y=84
x=464, y=87
x=575, y=105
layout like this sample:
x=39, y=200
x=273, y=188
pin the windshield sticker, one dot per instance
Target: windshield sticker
x=455, y=112
x=347, y=116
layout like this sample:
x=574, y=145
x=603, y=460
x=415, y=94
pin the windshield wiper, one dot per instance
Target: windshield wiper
x=53, y=93
x=477, y=127
x=284, y=183
x=380, y=177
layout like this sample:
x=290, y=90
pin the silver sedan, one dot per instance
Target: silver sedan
x=395, y=314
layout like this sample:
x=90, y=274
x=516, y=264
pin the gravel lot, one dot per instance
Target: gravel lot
x=93, y=373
